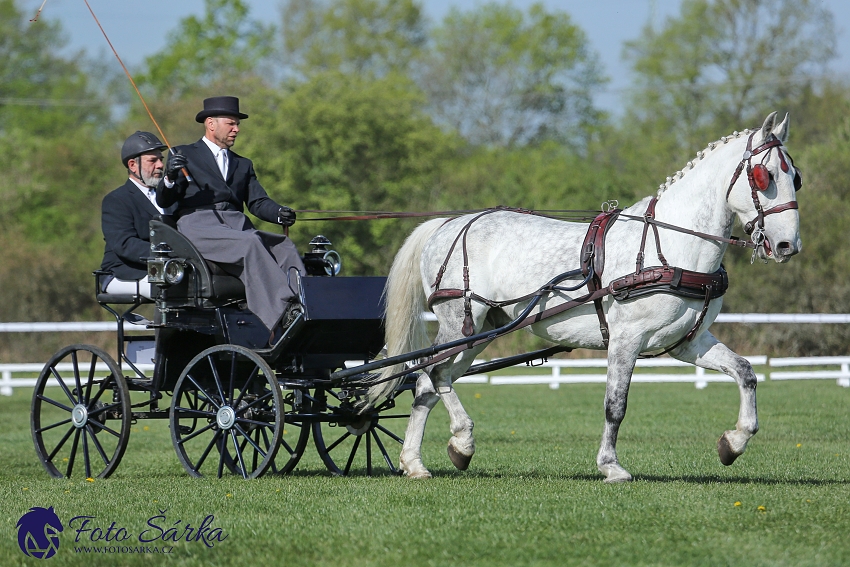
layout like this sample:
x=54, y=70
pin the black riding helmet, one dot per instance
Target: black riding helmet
x=139, y=143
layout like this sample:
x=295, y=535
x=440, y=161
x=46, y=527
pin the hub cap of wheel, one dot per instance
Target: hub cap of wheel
x=79, y=416
x=226, y=417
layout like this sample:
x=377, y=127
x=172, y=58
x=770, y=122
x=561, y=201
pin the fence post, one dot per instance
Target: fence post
x=6, y=383
x=845, y=378
x=556, y=374
x=700, y=383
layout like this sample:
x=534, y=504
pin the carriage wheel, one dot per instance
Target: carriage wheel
x=296, y=433
x=227, y=413
x=81, y=426
x=351, y=442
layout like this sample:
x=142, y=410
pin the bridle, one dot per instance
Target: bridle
x=759, y=178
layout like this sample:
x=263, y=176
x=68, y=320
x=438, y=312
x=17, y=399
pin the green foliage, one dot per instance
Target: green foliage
x=500, y=76
x=225, y=46
x=342, y=142
x=721, y=63
x=351, y=36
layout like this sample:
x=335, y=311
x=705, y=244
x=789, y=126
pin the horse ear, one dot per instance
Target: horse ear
x=781, y=131
x=768, y=125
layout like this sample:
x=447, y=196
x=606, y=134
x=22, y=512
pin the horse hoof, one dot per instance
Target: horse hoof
x=419, y=475
x=724, y=450
x=460, y=461
x=615, y=474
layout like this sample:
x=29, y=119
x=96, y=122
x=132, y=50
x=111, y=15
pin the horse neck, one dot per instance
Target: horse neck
x=697, y=202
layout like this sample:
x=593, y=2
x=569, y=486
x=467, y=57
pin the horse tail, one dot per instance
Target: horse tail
x=405, y=302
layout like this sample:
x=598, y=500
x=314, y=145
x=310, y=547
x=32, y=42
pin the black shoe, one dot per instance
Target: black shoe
x=293, y=310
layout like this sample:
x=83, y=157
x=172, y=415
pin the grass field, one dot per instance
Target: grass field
x=532, y=495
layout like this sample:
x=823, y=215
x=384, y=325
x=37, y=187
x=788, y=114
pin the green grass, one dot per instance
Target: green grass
x=532, y=495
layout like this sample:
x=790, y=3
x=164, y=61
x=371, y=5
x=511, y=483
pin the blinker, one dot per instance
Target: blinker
x=761, y=177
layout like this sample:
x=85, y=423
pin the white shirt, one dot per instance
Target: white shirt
x=220, y=155
x=150, y=194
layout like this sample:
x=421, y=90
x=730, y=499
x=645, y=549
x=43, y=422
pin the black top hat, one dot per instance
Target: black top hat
x=220, y=106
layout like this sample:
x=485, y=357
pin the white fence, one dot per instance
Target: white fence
x=555, y=377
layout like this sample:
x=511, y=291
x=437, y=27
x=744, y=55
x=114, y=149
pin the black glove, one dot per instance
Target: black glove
x=176, y=162
x=286, y=216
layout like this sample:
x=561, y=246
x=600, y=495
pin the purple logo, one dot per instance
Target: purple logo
x=38, y=533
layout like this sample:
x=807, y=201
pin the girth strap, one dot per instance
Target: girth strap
x=593, y=259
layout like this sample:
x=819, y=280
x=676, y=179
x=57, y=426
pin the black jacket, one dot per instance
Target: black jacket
x=125, y=215
x=209, y=190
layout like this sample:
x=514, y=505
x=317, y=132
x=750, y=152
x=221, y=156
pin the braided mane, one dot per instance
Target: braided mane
x=700, y=155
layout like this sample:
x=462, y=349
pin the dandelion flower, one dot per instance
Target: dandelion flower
x=762, y=509
x=146, y=428
x=89, y=479
x=229, y=495
x=477, y=396
x=799, y=445
x=737, y=503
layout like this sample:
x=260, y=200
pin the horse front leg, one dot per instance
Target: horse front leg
x=410, y=461
x=621, y=364
x=707, y=352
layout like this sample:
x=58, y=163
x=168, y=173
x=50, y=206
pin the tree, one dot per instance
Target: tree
x=350, y=143
x=503, y=77
x=351, y=36
x=723, y=64
x=225, y=46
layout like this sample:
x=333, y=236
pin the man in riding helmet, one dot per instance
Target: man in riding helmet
x=125, y=214
x=210, y=186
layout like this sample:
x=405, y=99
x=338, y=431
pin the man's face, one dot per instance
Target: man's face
x=148, y=167
x=223, y=130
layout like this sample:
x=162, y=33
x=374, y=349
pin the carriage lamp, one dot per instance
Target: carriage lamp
x=320, y=261
x=174, y=271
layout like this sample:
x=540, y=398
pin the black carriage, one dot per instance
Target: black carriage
x=231, y=395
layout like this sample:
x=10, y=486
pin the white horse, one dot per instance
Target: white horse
x=511, y=254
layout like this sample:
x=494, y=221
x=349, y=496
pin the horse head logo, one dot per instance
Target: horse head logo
x=38, y=533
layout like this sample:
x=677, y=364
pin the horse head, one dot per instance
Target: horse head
x=763, y=192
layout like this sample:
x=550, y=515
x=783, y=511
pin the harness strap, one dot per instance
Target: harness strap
x=593, y=262
x=750, y=226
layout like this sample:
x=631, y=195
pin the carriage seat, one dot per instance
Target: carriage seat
x=101, y=279
x=203, y=279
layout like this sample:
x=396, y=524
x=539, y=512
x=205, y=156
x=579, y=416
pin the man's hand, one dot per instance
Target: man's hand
x=176, y=162
x=286, y=216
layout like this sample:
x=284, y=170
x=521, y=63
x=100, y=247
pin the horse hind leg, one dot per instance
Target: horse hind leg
x=707, y=352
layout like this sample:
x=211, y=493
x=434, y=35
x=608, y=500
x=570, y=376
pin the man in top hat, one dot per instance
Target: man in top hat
x=209, y=207
x=125, y=215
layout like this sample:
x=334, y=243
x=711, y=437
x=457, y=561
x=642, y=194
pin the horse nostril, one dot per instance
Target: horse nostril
x=785, y=248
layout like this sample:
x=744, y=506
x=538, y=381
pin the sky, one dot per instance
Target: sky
x=139, y=29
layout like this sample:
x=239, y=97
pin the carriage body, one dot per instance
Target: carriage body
x=231, y=395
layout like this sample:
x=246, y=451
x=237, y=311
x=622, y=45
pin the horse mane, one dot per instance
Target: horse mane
x=700, y=155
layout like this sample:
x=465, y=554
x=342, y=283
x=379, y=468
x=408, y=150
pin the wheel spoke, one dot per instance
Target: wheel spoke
x=244, y=390
x=98, y=446
x=191, y=436
x=239, y=453
x=337, y=442
x=351, y=455
x=62, y=384
x=232, y=375
x=49, y=427
x=222, y=448
x=103, y=427
x=383, y=450
x=390, y=433
x=206, y=397
x=73, y=455
x=61, y=443
x=100, y=410
x=90, y=383
x=86, y=459
x=368, y=453
x=207, y=451
x=249, y=440
x=216, y=378
x=101, y=389
x=262, y=398
x=76, y=364
x=55, y=403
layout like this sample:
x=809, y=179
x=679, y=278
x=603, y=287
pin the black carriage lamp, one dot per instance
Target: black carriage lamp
x=163, y=270
x=319, y=260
